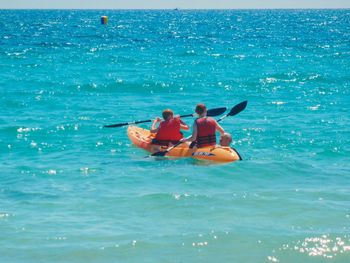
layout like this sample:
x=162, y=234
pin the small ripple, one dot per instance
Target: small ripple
x=4, y=215
x=25, y=130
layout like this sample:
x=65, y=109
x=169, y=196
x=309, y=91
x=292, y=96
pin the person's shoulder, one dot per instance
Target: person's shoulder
x=212, y=121
x=177, y=119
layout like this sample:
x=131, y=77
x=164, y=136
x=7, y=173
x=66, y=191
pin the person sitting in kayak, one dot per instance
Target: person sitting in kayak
x=204, y=129
x=168, y=131
x=225, y=140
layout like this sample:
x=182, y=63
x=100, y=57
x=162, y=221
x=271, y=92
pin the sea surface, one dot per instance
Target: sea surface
x=73, y=191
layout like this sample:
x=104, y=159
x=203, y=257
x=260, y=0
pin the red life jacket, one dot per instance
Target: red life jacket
x=168, y=131
x=206, y=128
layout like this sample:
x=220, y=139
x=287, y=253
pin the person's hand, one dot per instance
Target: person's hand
x=176, y=116
x=157, y=119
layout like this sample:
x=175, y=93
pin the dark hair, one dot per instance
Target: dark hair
x=167, y=113
x=200, y=108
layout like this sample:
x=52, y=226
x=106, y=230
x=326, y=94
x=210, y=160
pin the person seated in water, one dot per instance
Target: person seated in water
x=204, y=129
x=225, y=140
x=168, y=131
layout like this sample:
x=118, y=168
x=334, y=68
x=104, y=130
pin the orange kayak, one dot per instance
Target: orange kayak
x=142, y=138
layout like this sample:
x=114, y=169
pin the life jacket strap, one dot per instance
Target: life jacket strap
x=203, y=140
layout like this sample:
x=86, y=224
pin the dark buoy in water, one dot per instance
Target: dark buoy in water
x=104, y=20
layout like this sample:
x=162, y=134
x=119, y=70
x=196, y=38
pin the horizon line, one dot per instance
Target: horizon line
x=180, y=9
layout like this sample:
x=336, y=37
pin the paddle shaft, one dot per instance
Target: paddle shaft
x=137, y=122
x=211, y=112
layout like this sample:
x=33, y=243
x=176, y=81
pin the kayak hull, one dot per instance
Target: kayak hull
x=142, y=138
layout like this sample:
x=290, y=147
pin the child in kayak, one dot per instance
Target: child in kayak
x=168, y=131
x=225, y=140
x=204, y=129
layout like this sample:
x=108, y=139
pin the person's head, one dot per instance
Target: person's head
x=225, y=139
x=167, y=114
x=201, y=110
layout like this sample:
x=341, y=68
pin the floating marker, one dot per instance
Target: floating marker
x=104, y=20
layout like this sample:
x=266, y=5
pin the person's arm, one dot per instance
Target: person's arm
x=153, y=128
x=220, y=129
x=193, y=136
x=184, y=126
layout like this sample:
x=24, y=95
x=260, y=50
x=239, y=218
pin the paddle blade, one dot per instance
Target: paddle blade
x=216, y=112
x=238, y=108
x=159, y=154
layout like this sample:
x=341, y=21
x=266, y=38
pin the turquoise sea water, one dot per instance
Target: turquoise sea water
x=71, y=191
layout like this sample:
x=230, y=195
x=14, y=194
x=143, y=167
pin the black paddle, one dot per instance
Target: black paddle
x=211, y=112
x=235, y=110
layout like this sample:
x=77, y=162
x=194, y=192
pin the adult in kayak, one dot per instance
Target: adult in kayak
x=204, y=129
x=168, y=132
